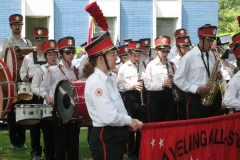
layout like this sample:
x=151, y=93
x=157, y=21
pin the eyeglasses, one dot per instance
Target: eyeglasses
x=70, y=51
x=164, y=51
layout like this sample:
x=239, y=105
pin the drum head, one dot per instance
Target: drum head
x=64, y=99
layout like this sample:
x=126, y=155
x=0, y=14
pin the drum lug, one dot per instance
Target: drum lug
x=24, y=112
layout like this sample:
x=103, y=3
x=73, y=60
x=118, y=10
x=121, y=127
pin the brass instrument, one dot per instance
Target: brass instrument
x=170, y=76
x=213, y=86
x=141, y=81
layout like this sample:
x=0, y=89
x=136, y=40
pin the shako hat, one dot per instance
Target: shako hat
x=101, y=45
x=49, y=46
x=146, y=42
x=16, y=18
x=66, y=43
x=162, y=42
x=40, y=32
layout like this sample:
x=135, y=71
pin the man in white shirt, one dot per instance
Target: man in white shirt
x=194, y=72
x=16, y=132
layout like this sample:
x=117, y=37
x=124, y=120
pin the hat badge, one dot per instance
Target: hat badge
x=137, y=45
x=182, y=32
x=146, y=42
x=126, y=49
x=214, y=31
x=69, y=42
x=52, y=44
x=39, y=32
x=164, y=40
x=17, y=18
x=186, y=40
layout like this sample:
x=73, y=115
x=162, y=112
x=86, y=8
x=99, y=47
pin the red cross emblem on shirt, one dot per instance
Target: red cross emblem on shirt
x=98, y=92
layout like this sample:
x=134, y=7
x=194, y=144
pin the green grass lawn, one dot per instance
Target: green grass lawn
x=24, y=153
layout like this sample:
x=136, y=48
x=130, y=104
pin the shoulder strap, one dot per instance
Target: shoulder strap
x=35, y=59
x=76, y=72
x=172, y=65
x=144, y=64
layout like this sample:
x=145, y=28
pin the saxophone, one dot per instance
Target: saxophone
x=213, y=86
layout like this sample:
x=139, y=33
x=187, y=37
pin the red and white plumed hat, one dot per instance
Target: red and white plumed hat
x=101, y=45
x=135, y=46
x=40, y=32
x=16, y=18
x=66, y=43
x=162, y=42
x=180, y=32
x=49, y=46
x=208, y=31
x=146, y=42
x=183, y=41
x=236, y=50
x=122, y=51
x=236, y=38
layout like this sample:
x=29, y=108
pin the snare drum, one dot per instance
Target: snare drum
x=28, y=114
x=7, y=86
x=24, y=91
x=70, y=101
x=14, y=57
x=47, y=112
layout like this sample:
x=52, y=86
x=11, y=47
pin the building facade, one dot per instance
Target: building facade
x=126, y=18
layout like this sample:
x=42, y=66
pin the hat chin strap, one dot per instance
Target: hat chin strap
x=180, y=51
x=106, y=63
x=69, y=63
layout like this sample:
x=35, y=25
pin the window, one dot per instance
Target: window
x=33, y=22
x=166, y=27
x=111, y=24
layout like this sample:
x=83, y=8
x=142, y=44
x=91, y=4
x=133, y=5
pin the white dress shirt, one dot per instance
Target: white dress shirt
x=54, y=76
x=192, y=73
x=155, y=75
x=104, y=103
x=10, y=42
x=29, y=66
x=145, y=58
x=176, y=60
x=232, y=94
x=173, y=53
x=127, y=75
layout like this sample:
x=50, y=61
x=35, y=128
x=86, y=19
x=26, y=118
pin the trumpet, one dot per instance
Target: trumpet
x=141, y=81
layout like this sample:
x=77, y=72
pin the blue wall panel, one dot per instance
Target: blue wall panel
x=8, y=8
x=197, y=13
x=136, y=19
x=70, y=19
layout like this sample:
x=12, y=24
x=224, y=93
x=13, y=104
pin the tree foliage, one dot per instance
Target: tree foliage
x=229, y=10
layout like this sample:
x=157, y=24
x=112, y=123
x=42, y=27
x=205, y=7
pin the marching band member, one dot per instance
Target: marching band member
x=105, y=107
x=183, y=46
x=127, y=40
x=66, y=136
x=232, y=94
x=194, y=72
x=174, y=51
x=28, y=68
x=49, y=49
x=83, y=52
x=146, y=49
x=130, y=76
x=157, y=81
x=16, y=132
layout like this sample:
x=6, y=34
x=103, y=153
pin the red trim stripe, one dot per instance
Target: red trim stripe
x=188, y=105
x=104, y=145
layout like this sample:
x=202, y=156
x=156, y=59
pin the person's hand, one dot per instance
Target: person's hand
x=48, y=99
x=137, y=86
x=136, y=124
x=223, y=106
x=203, y=91
x=25, y=78
x=167, y=82
x=218, y=75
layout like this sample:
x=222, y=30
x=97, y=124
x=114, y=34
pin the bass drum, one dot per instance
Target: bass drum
x=70, y=102
x=7, y=86
x=14, y=57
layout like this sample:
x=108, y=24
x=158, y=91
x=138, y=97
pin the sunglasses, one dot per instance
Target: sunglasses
x=70, y=51
x=164, y=51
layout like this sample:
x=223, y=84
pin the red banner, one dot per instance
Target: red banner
x=214, y=138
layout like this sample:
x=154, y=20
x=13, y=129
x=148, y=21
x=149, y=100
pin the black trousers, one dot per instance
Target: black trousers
x=66, y=139
x=161, y=105
x=195, y=109
x=16, y=132
x=135, y=110
x=181, y=105
x=108, y=142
